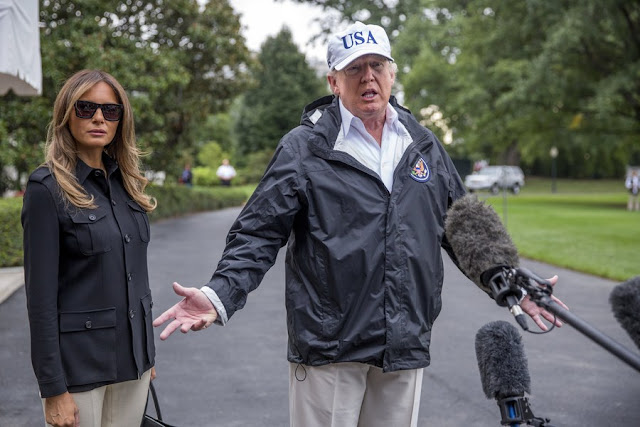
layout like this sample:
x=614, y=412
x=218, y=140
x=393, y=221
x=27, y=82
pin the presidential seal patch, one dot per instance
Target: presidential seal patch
x=420, y=171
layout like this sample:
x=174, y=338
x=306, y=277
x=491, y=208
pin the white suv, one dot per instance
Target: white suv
x=493, y=178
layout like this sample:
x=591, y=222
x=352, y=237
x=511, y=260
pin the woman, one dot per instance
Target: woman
x=86, y=233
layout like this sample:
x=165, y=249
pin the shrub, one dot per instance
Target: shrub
x=10, y=232
x=256, y=164
x=173, y=200
x=204, y=175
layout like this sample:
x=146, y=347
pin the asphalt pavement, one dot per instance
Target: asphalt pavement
x=237, y=375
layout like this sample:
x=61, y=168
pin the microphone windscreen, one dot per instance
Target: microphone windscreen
x=625, y=303
x=501, y=360
x=478, y=238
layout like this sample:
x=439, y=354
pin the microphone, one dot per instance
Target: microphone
x=504, y=372
x=625, y=303
x=485, y=252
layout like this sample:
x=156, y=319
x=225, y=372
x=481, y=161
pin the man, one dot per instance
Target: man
x=186, y=177
x=360, y=191
x=633, y=185
x=226, y=173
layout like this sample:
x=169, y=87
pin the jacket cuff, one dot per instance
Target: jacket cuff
x=217, y=304
x=52, y=388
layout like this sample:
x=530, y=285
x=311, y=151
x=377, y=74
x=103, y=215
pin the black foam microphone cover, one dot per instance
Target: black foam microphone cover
x=478, y=238
x=502, y=362
x=625, y=303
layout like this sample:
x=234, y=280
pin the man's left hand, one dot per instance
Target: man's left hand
x=537, y=313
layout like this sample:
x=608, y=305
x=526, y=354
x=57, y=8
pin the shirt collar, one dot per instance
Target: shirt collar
x=83, y=170
x=391, y=117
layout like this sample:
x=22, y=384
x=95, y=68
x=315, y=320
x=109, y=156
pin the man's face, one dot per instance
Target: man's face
x=364, y=86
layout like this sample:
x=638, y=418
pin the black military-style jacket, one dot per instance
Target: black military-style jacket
x=86, y=282
x=364, y=267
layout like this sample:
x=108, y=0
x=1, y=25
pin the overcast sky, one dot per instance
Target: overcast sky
x=263, y=18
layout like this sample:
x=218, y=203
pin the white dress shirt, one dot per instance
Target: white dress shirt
x=381, y=159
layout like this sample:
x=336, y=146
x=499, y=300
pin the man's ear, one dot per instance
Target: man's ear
x=333, y=85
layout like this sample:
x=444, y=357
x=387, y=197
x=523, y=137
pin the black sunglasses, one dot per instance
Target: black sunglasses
x=110, y=112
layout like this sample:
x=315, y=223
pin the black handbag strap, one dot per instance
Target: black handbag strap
x=154, y=397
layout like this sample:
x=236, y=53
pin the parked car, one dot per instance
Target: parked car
x=493, y=178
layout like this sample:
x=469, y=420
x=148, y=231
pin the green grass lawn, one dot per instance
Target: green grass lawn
x=584, y=226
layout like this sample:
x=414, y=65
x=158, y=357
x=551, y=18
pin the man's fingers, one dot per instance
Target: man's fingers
x=199, y=325
x=559, y=302
x=171, y=327
x=186, y=327
x=167, y=315
x=181, y=290
x=540, y=323
x=171, y=313
x=551, y=318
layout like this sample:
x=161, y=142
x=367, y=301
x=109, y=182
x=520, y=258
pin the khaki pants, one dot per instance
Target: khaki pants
x=114, y=405
x=353, y=395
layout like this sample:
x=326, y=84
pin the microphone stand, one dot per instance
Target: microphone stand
x=515, y=410
x=540, y=290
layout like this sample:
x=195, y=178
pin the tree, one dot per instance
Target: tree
x=209, y=45
x=283, y=84
x=511, y=79
x=179, y=64
x=514, y=79
x=391, y=14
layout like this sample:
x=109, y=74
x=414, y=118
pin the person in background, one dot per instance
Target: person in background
x=86, y=233
x=360, y=191
x=186, y=177
x=633, y=185
x=226, y=173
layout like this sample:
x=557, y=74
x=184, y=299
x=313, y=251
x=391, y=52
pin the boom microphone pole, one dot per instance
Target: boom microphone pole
x=539, y=290
x=487, y=255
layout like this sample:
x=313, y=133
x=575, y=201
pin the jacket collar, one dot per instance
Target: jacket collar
x=83, y=170
x=323, y=115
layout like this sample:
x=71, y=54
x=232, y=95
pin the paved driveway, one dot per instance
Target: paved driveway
x=237, y=375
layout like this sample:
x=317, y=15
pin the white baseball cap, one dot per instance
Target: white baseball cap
x=357, y=40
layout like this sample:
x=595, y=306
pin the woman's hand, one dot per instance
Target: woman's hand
x=61, y=411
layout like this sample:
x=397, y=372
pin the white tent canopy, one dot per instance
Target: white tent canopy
x=20, y=63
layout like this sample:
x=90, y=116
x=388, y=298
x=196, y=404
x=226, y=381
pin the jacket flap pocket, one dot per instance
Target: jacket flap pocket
x=87, y=320
x=87, y=216
x=136, y=207
x=147, y=303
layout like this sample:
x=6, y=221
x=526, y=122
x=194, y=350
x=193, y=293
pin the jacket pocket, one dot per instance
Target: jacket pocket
x=147, y=305
x=91, y=231
x=140, y=215
x=87, y=346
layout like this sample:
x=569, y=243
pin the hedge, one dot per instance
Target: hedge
x=173, y=200
x=10, y=232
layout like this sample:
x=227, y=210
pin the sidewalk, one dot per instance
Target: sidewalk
x=11, y=279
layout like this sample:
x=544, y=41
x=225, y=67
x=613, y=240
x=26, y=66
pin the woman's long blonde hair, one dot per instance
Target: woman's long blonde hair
x=60, y=149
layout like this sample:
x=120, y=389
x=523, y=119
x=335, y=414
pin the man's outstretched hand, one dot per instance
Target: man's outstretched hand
x=195, y=312
x=537, y=313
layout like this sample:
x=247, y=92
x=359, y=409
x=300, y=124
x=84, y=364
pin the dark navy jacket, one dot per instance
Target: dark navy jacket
x=364, y=268
x=87, y=283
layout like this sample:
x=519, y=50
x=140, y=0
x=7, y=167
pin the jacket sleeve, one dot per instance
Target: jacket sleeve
x=456, y=191
x=41, y=254
x=261, y=229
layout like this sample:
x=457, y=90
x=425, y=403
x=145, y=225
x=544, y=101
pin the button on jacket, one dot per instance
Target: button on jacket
x=87, y=283
x=364, y=268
